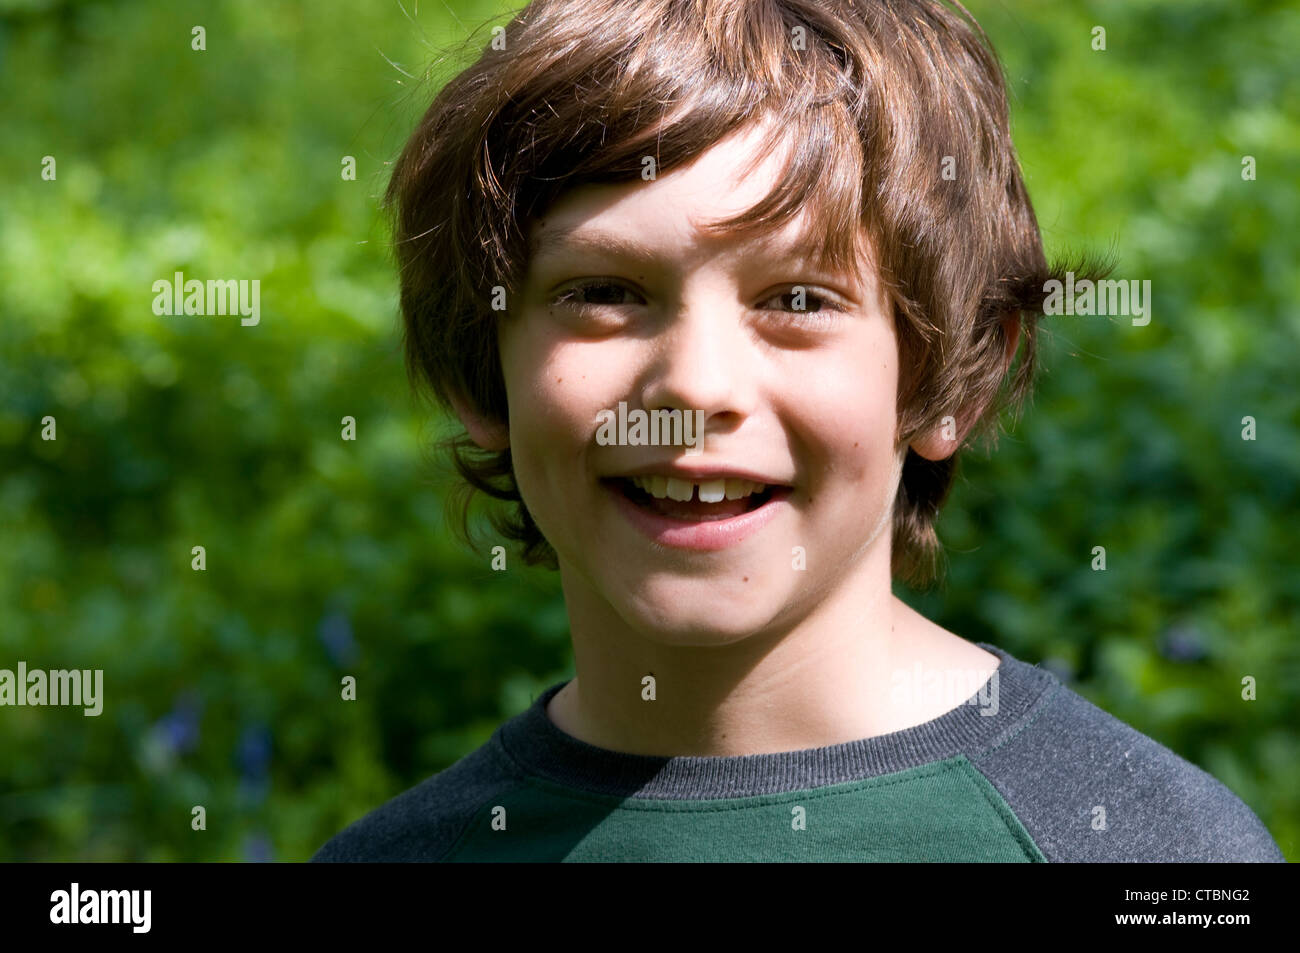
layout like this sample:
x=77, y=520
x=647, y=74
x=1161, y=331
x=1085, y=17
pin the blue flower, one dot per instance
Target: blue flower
x=257, y=849
x=1183, y=642
x=255, y=752
x=254, y=756
x=335, y=633
x=179, y=728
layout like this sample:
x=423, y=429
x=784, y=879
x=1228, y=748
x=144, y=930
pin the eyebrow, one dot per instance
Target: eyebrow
x=570, y=238
x=575, y=239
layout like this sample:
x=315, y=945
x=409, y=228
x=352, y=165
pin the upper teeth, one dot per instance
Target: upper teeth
x=710, y=491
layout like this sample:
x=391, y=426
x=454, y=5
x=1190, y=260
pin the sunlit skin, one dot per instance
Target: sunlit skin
x=749, y=654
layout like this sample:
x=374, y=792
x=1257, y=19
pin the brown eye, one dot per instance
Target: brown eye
x=819, y=312
x=813, y=302
x=594, y=293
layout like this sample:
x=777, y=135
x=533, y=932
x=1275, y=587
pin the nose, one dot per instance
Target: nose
x=704, y=362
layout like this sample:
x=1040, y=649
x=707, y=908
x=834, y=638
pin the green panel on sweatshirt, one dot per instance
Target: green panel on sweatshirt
x=941, y=812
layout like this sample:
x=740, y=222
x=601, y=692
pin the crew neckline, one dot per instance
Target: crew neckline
x=539, y=748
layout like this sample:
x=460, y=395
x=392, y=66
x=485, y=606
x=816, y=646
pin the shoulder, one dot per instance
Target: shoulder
x=1089, y=787
x=422, y=823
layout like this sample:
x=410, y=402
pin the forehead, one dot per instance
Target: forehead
x=674, y=214
x=727, y=178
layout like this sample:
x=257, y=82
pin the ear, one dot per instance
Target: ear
x=488, y=433
x=940, y=443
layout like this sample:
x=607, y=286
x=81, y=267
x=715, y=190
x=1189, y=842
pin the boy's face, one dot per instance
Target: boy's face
x=803, y=399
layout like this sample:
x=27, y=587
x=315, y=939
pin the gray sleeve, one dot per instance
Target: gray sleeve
x=422, y=823
x=1090, y=788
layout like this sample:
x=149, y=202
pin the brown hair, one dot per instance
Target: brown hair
x=897, y=113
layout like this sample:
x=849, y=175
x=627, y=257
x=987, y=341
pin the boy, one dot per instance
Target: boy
x=607, y=216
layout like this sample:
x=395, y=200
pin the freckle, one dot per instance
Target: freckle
x=746, y=579
x=560, y=380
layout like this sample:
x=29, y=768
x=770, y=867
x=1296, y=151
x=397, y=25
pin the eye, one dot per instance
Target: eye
x=819, y=310
x=604, y=293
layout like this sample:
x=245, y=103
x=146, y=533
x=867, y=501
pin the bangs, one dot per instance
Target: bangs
x=821, y=179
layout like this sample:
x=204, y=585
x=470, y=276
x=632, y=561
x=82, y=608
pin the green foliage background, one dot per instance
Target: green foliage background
x=328, y=558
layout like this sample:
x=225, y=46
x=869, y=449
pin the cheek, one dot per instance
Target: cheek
x=571, y=385
x=846, y=405
x=556, y=387
x=852, y=404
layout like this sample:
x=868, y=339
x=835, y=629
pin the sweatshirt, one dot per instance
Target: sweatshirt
x=1042, y=775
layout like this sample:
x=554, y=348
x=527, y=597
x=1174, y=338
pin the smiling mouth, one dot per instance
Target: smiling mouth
x=747, y=498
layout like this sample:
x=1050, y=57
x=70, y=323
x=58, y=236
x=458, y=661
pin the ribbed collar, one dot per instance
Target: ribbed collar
x=539, y=748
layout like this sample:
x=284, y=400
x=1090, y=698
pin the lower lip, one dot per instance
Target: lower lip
x=705, y=536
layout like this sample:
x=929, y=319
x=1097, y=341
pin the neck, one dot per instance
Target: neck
x=830, y=677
